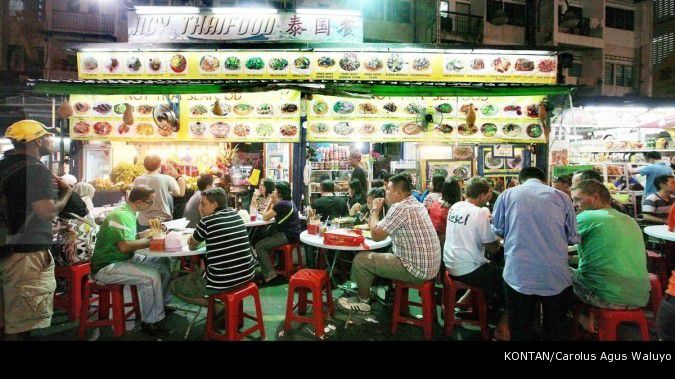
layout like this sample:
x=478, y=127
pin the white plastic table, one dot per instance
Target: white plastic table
x=258, y=222
x=661, y=232
x=317, y=241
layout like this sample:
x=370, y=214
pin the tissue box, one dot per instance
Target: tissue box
x=173, y=242
x=157, y=244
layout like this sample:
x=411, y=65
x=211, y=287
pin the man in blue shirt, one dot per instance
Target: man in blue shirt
x=656, y=168
x=538, y=223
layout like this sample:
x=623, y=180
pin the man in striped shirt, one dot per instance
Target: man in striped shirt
x=229, y=262
x=656, y=206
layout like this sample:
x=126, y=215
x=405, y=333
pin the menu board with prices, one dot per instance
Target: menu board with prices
x=423, y=66
x=272, y=116
x=491, y=164
x=408, y=119
x=100, y=117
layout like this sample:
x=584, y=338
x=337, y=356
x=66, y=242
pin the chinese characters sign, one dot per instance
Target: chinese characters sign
x=160, y=26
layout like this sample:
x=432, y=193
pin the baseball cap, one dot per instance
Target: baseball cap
x=27, y=130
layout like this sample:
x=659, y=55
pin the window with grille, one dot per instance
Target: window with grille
x=619, y=18
x=609, y=73
x=514, y=12
x=662, y=46
x=619, y=74
x=663, y=9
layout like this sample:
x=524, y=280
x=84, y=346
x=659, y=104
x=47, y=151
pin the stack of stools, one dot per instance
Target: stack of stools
x=286, y=258
x=658, y=264
x=402, y=303
x=72, y=300
x=233, y=302
x=306, y=281
x=109, y=296
x=450, y=288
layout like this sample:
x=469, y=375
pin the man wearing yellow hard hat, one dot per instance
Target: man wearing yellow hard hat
x=30, y=198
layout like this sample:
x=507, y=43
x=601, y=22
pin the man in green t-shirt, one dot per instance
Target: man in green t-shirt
x=612, y=269
x=114, y=261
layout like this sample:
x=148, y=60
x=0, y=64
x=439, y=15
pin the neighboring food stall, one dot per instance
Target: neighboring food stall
x=467, y=111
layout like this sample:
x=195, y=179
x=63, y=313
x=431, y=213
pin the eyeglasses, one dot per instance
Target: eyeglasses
x=149, y=202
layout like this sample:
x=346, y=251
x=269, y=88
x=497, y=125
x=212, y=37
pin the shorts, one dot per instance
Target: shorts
x=27, y=296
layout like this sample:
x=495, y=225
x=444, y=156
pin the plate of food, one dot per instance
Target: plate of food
x=444, y=108
x=501, y=65
x=90, y=64
x=489, y=110
x=289, y=108
x=462, y=172
x=178, y=63
x=264, y=130
x=390, y=107
x=413, y=108
x=232, y=63
x=164, y=129
x=547, y=65
x=512, y=130
x=467, y=130
x=219, y=129
x=488, y=129
x=513, y=110
x=367, y=128
x=421, y=64
x=265, y=109
x=198, y=129
x=255, y=63
x=81, y=107
x=241, y=130
x=123, y=129
x=198, y=110
x=155, y=64
x=411, y=128
x=145, y=129
x=534, y=130
x=289, y=130
x=444, y=128
x=134, y=64
x=367, y=108
x=515, y=163
x=112, y=64
x=325, y=62
x=278, y=64
x=81, y=127
x=209, y=63
x=121, y=108
x=390, y=128
x=243, y=109
x=493, y=163
x=523, y=64
x=145, y=109
x=320, y=108
x=454, y=65
x=462, y=152
x=102, y=128
x=102, y=108
x=395, y=62
x=318, y=127
x=301, y=63
x=343, y=128
x=374, y=64
x=350, y=62
x=343, y=107
x=532, y=110
x=477, y=64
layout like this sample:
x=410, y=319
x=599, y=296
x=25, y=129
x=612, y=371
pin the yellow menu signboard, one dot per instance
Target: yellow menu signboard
x=420, y=119
x=243, y=117
x=317, y=65
x=237, y=117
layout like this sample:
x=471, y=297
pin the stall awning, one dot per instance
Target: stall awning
x=161, y=87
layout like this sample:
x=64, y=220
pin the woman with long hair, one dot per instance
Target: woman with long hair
x=357, y=198
x=438, y=210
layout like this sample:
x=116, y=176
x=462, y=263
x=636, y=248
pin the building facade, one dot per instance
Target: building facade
x=663, y=48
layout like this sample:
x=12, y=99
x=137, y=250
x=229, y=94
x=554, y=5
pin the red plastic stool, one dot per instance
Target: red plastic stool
x=609, y=321
x=109, y=295
x=305, y=281
x=287, y=258
x=401, y=302
x=233, y=302
x=71, y=300
x=657, y=263
x=450, y=288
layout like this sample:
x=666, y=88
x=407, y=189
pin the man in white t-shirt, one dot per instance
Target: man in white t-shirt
x=165, y=187
x=468, y=234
